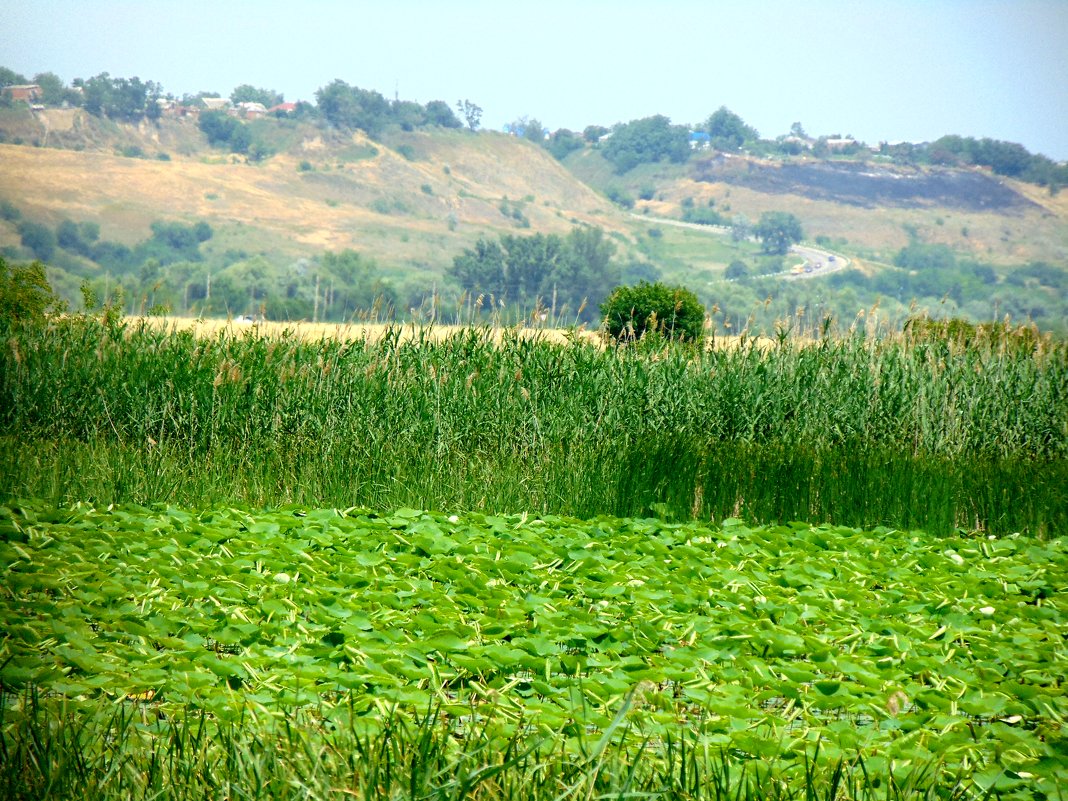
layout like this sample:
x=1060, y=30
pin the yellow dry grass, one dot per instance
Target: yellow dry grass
x=371, y=332
x=384, y=205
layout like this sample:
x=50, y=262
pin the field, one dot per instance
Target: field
x=480, y=563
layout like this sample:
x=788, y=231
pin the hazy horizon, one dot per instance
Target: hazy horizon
x=906, y=70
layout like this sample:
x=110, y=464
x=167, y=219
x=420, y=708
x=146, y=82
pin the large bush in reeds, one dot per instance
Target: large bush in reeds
x=672, y=311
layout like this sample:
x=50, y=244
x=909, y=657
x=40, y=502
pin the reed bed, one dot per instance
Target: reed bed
x=934, y=433
x=58, y=751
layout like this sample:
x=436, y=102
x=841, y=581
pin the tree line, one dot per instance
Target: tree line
x=569, y=274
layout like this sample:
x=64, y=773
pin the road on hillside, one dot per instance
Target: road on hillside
x=817, y=262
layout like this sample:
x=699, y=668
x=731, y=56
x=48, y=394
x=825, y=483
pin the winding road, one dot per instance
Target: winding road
x=817, y=262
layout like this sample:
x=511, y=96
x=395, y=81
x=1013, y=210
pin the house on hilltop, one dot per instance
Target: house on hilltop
x=26, y=93
x=251, y=110
x=215, y=103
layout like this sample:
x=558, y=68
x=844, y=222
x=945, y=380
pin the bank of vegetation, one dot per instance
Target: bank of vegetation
x=939, y=431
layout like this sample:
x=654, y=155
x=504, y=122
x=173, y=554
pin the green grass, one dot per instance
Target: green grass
x=688, y=256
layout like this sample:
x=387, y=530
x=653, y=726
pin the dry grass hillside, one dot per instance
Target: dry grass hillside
x=1029, y=224
x=416, y=200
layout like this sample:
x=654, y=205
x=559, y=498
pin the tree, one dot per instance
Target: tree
x=470, y=112
x=246, y=93
x=778, y=230
x=673, y=311
x=480, y=271
x=573, y=270
x=123, y=99
x=25, y=294
x=53, y=92
x=736, y=270
x=563, y=142
x=438, y=112
x=38, y=238
x=729, y=131
x=9, y=77
x=645, y=141
x=535, y=131
x=593, y=133
x=408, y=115
x=351, y=107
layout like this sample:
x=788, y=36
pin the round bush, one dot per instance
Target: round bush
x=672, y=311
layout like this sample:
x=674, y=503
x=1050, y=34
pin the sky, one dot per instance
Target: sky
x=891, y=70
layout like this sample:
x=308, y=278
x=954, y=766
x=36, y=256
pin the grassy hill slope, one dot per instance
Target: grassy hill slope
x=414, y=200
x=410, y=209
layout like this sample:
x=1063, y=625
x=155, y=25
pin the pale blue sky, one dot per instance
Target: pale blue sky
x=888, y=70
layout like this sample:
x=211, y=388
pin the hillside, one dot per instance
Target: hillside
x=341, y=192
x=870, y=208
x=410, y=202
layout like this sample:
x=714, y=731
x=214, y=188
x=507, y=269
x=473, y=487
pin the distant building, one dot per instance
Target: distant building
x=27, y=92
x=840, y=143
x=283, y=108
x=215, y=103
x=251, y=110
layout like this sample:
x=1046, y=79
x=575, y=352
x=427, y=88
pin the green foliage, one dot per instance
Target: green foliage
x=77, y=238
x=9, y=77
x=125, y=99
x=471, y=113
x=351, y=107
x=563, y=142
x=440, y=113
x=25, y=294
x=704, y=216
x=921, y=256
x=644, y=141
x=529, y=272
x=406, y=654
x=224, y=130
x=9, y=211
x=861, y=431
x=736, y=270
x=246, y=93
x=777, y=231
x=38, y=238
x=53, y=90
x=593, y=133
x=673, y=312
x=620, y=197
x=728, y=131
x=174, y=241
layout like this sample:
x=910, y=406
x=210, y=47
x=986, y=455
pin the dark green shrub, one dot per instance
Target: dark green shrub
x=619, y=197
x=40, y=239
x=672, y=311
x=25, y=294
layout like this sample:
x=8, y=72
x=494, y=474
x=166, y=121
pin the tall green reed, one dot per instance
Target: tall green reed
x=56, y=749
x=856, y=430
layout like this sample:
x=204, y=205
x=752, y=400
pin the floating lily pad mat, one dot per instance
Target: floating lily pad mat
x=761, y=641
